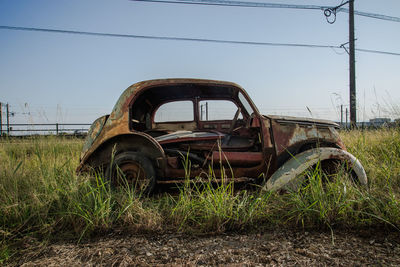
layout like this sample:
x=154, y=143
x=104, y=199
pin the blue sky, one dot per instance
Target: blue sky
x=72, y=78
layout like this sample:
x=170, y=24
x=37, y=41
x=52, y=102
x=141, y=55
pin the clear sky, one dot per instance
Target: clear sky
x=65, y=78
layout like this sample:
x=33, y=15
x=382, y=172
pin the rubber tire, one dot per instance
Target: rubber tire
x=329, y=170
x=334, y=170
x=145, y=164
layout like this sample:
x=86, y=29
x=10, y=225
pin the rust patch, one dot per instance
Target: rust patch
x=238, y=158
x=287, y=134
x=172, y=162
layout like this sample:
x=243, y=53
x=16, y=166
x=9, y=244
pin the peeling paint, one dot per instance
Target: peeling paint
x=292, y=169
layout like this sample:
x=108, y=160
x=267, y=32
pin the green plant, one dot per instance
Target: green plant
x=42, y=197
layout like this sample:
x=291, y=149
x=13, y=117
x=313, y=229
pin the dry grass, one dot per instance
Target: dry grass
x=41, y=196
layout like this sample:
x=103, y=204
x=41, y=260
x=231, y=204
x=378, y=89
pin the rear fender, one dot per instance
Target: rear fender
x=294, y=167
x=137, y=142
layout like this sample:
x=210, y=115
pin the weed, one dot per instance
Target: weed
x=40, y=195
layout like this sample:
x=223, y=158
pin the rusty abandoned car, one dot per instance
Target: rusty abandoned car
x=157, y=123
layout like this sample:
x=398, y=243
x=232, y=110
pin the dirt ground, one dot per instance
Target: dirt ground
x=269, y=248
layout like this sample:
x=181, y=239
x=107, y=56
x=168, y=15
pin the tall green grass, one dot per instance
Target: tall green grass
x=41, y=196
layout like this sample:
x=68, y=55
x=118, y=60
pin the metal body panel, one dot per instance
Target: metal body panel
x=93, y=133
x=287, y=174
x=244, y=159
x=291, y=133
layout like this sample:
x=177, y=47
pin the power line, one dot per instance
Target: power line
x=234, y=3
x=372, y=15
x=170, y=38
x=377, y=52
x=268, y=5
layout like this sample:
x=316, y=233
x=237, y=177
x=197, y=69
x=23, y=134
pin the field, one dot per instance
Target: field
x=43, y=200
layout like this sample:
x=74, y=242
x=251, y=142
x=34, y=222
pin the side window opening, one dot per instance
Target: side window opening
x=246, y=104
x=176, y=111
x=215, y=110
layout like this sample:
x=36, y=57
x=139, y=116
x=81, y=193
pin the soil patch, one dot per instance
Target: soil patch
x=268, y=248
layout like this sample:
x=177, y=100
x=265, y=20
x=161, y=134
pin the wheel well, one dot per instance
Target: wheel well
x=123, y=143
x=327, y=164
x=294, y=150
x=311, y=145
x=296, y=166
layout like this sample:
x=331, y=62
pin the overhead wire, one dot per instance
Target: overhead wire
x=170, y=38
x=377, y=52
x=173, y=38
x=269, y=5
x=234, y=3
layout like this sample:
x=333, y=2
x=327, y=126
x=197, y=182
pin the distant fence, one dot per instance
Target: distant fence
x=370, y=125
x=80, y=129
x=44, y=128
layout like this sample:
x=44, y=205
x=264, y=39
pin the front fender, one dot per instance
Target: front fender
x=294, y=167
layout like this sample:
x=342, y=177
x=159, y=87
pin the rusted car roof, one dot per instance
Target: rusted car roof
x=129, y=94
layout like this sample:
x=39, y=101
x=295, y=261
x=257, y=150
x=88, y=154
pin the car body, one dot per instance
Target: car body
x=156, y=124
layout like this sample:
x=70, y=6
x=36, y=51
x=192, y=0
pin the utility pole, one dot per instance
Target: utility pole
x=328, y=12
x=1, y=119
x=206, y=111
x=205, y=106
x=346, y=117
x=341, y=115
x=8, y=120
x=352, y=63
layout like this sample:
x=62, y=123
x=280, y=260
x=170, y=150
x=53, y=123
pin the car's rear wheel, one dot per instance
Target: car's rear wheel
x=133, y=169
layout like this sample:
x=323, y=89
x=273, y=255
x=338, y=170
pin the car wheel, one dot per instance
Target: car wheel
x=330, y=170
x=330, y=161
x=134, y=169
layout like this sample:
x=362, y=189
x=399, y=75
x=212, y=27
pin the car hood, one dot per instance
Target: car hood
x=300, y=120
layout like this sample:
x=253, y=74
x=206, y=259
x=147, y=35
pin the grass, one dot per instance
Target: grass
x=42, y=197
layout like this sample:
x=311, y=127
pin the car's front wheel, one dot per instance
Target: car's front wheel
x=331, y=161
x=133, y=169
